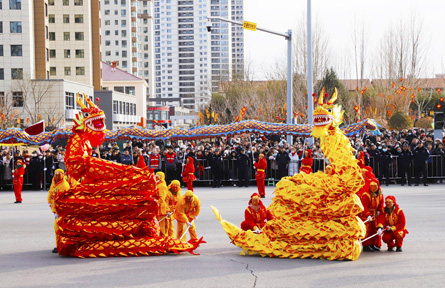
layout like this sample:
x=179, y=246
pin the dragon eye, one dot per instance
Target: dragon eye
x=86, y=114
x=329, y=110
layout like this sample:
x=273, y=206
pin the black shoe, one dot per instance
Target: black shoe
x=416, y=185
x=399, y=249
x=425, y=184
x=262, y=196
x=55, y=250
x=375, y=247
x=409, y=184
x=18, y=202
x=403, y=184
x=391, y=249
x=367, y=249
x=387, y=184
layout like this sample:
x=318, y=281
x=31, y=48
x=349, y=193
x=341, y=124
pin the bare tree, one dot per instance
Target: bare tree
x=10, y=112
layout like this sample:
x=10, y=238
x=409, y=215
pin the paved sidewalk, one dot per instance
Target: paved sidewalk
x=27, y=238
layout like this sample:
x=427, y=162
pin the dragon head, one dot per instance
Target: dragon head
x=326, y=115
x=90, y=121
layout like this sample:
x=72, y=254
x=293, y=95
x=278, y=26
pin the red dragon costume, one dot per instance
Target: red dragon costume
x=112, y=211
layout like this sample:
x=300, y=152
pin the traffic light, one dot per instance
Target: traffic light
x=438, y=120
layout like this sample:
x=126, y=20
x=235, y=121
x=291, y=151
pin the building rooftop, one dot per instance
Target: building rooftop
x=110, y=73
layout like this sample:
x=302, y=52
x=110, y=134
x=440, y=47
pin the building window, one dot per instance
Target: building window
x=52, y=53
x=115, y=106
x=1, y=26
x=2, y=74
x=78, y=2
x=80, y=70
x=67, y=53
x=69, y=100
x=15, y=4
x=107, y=22
x=66, y=36
x=16, y=27
x=107, y=32
x=123, y=13
x=107, y=53
x=1, y=4
x=1, y=50
x=79, y=36
x=17, y=99
x=67, y=71
x=16, y=73
x=107, y=42
x=52, y=18
x=51, y=2
x=130, y=90
x=52, y=71
x=16, y=50
x=52, y=36
x=80, y=53
x=78, y=18
x=66, y=18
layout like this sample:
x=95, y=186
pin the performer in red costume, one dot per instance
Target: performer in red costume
x=260, y=174
x=141, y=161
x=19, y=171
x=188, y=175
x=306, y=163
x=256, y=215
x=392, y=224
x=372, y=201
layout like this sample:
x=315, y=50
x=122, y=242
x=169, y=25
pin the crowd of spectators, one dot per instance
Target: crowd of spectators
x=396, y=157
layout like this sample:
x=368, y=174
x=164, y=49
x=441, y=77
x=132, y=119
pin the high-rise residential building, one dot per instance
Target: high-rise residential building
x=227, y=43
x=126, y=29
x=182, y=52
x=74, y=41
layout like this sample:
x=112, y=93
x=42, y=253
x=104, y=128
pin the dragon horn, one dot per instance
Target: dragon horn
x=80, y=102
x=320, y=100
x=334, y=97
x=89, y=101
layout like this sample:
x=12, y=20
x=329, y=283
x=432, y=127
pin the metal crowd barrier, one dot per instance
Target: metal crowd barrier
x=435, y=171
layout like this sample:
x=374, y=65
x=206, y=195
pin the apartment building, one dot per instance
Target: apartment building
x=127, y=37
x=74, y=41
x=227, y=42
x=182, y=51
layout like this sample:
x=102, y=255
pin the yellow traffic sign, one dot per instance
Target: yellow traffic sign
x=249, y=25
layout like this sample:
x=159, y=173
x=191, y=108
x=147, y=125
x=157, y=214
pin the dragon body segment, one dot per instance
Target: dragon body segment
x=315, y=214
x=110, y=209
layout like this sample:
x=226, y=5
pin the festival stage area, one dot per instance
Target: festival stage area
x=27, y=238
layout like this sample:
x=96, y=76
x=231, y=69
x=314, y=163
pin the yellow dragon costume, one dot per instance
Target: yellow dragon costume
x=315, y=214
x=111, y=212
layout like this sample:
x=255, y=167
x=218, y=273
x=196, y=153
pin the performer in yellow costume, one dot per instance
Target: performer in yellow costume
x=58, y=185
x=315, y=214
x=162, y=202
x=186, y=212
x=174, y=194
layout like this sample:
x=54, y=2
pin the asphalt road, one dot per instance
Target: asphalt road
x=27, y=238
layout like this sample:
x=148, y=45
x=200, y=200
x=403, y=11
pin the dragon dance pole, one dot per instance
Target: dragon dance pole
x=361, y=241
x=187, y=229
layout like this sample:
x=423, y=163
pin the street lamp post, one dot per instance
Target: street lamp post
x=310, y=83
x=288, y=37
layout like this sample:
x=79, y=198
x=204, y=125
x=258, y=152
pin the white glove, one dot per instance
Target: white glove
x=369, y=219
x=189, y=224
x=194, y=218
x=388, y=228
x=56, y=216
x=380, y=231
x=257, y=231
x=44, y=169
x=49, y=204
x=378, y=213
x=12, y=170
x=169, y=214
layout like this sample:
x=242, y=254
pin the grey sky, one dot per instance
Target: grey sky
x=337, y=18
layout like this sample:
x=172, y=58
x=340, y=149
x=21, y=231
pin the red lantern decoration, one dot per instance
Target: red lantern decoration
x=441, y=99
x=438, y=106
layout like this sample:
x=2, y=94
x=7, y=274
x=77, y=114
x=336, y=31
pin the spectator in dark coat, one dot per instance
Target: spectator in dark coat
x=404, y=161
x=385, y=159
x=126, y=158
x=242, y=161
x=420, y=155
x=35, y=171
x=217, y=168
x=282, y=159
x=439, y=151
